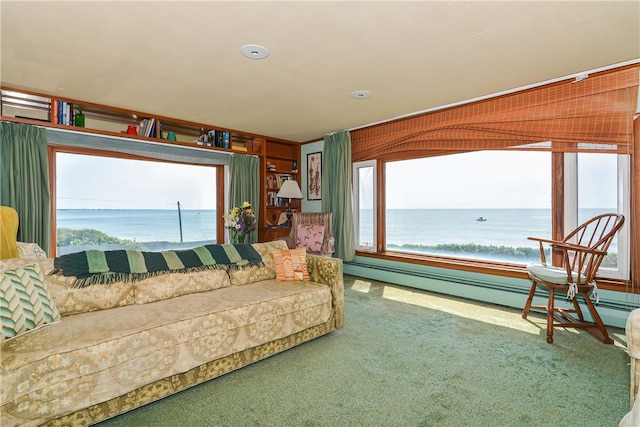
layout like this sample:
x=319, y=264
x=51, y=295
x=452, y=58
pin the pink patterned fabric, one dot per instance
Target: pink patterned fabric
x=310, y=237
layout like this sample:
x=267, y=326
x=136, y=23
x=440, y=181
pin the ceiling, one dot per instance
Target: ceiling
x=182, y=59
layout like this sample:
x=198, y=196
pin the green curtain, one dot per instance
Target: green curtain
x=244, y=185
x=24, y=180
x=337, y=196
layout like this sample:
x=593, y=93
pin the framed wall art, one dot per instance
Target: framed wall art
x=314, y=176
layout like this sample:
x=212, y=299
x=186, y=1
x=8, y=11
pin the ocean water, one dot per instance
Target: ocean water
x=413, y=230
x=415, y=227
x=143, y=225
x=503, y=227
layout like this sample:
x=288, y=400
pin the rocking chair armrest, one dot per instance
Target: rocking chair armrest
x=540, y=240
x=578, y=248
x=564, y=246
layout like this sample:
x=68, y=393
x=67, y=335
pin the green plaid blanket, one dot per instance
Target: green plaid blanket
x=104, y=267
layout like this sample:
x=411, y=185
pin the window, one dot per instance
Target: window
x=596, y=184
x=478, y=205
x=483, y=205
x=364, y=176
x=116, y=203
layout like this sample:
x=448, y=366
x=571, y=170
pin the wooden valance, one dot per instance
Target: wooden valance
x=590, y=115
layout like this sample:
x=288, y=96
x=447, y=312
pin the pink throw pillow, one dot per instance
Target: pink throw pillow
x=310, y=237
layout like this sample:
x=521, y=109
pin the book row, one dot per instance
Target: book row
x=274, y=201
x=275, y=181
x=147, y=127
x=65, y=113
x=215, y=138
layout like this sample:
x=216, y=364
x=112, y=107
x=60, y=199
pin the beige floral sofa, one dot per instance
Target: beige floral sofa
x=120, y=346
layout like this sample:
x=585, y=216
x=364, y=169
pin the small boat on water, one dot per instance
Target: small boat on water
x=481, y=219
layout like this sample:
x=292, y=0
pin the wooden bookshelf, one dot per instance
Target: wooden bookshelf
x=281, y=163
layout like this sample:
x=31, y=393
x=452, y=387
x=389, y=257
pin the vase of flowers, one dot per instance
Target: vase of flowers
x=241, y=221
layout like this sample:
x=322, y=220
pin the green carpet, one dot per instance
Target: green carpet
x=412, y=358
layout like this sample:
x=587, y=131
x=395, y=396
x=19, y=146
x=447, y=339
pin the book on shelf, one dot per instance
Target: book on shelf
x=63, y=113
x=141, y=127
x=151, y=128
x=221, y=138
x=54, y=111
x=226, y=139
x=66, y=113
x=281, y=178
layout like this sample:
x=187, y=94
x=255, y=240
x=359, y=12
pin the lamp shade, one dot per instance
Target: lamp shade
x=290, y=190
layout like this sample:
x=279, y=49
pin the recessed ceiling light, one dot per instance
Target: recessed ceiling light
x=254, y=51
x=360, y=94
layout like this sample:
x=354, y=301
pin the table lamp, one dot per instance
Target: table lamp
x=290, y=190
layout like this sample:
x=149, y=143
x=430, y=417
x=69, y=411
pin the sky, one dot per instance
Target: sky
x=472, y=180
x=92, y=182
x=486, y=179
x=493, y=179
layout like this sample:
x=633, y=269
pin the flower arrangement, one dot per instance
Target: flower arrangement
x=241, y=221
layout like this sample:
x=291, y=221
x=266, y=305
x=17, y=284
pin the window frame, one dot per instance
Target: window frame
x=356, y=204
x=505, y=269
x=623, y=207
x=53, y=150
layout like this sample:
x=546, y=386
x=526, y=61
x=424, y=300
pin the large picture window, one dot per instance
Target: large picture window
x=482, y=205
x=117, y=203
x=478, y=205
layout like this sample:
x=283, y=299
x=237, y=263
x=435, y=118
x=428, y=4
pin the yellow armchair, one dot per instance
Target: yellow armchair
x=8, y=232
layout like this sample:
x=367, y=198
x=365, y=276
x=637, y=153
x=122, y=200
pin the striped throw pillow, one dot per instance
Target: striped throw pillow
x=291, y=264
x=25, y=301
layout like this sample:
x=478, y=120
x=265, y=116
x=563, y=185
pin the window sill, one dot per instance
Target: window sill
x=517, y=271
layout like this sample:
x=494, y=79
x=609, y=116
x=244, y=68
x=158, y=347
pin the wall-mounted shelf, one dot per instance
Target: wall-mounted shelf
x=34, y=108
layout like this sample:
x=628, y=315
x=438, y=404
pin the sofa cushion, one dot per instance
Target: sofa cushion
x=30, y=250
x=173, y=285
x=70, y=300
x=25, y=301
x=115, y=351
x=291, y=264
x=244, y=276
x=310, y=237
